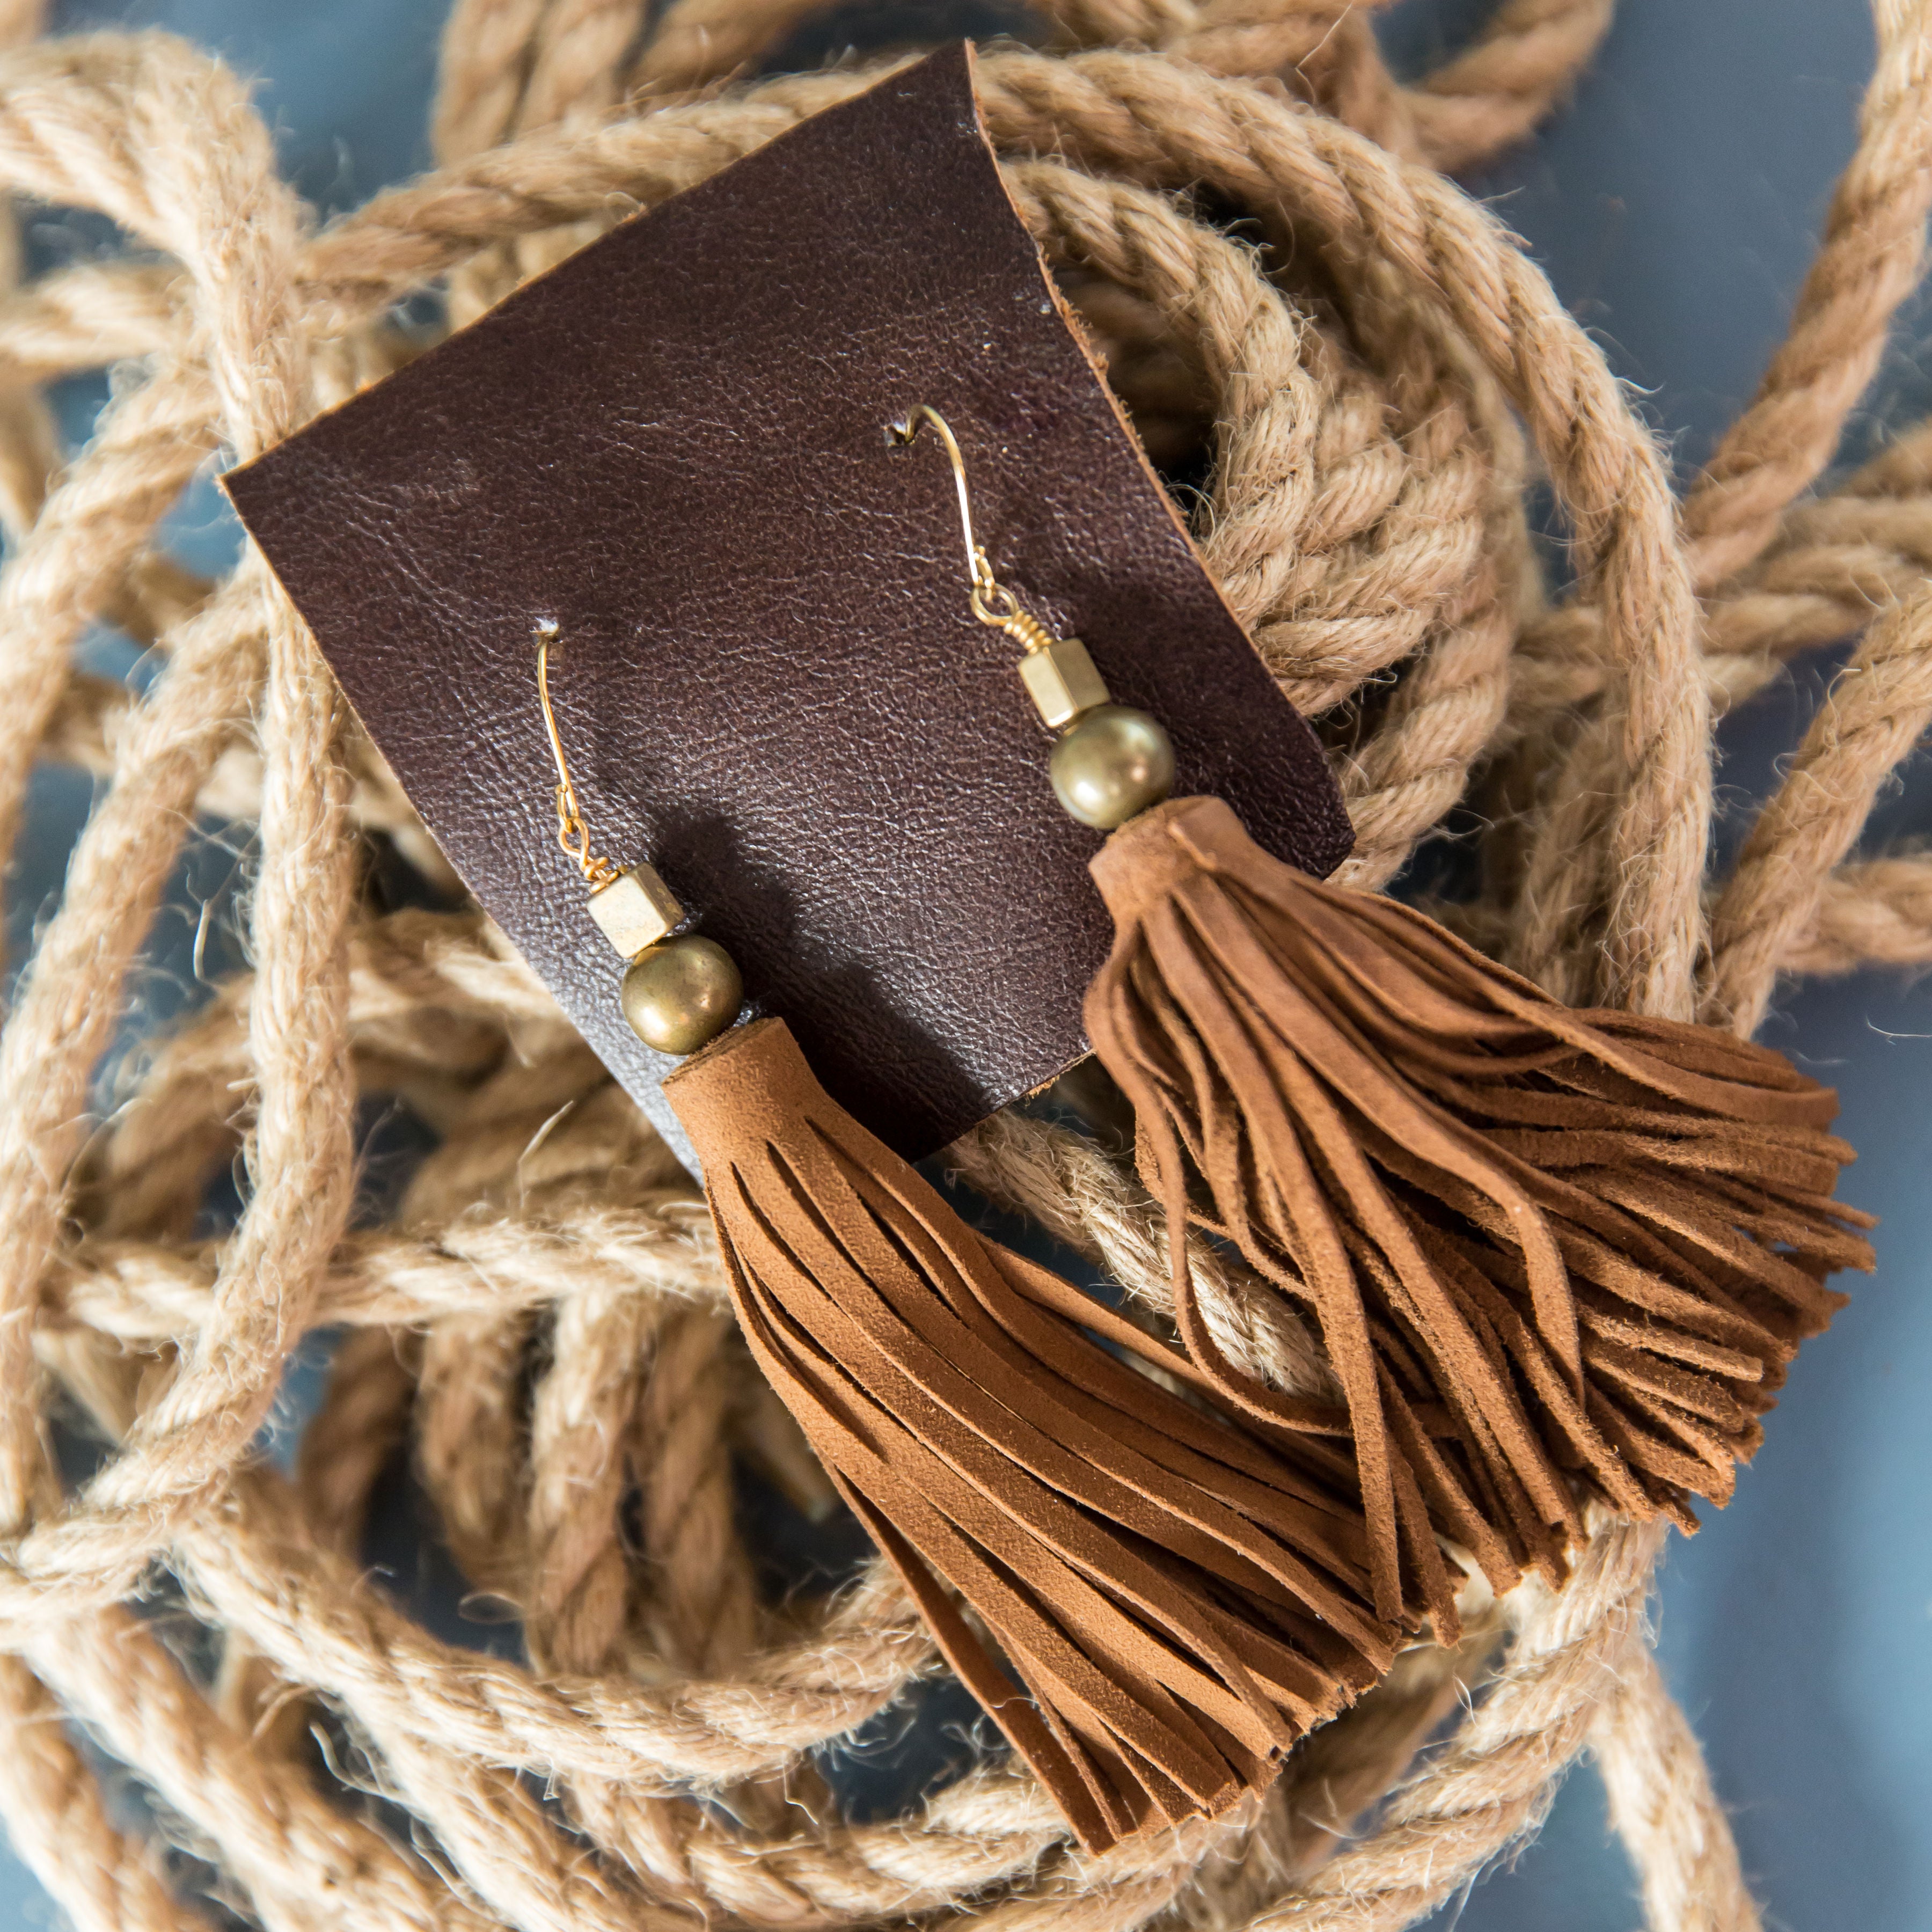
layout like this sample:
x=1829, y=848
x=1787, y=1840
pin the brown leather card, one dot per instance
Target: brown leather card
x=768, y=681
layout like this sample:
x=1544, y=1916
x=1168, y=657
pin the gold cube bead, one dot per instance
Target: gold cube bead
x=634, y=911
x=1060, y=680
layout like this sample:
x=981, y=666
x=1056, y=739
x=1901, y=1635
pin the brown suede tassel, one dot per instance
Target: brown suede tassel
x=1542, y=1247
x=1181, y=1598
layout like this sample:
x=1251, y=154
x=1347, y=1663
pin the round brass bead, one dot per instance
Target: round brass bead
x=1112, y=764
x=681, y=994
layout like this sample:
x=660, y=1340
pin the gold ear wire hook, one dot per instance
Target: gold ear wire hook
x=678, y=993
x=1058, y=672
x=993, y=604
x=572, y=834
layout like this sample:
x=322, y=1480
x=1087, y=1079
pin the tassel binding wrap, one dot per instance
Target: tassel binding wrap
x=1550, y=1251
x=1181, y=1597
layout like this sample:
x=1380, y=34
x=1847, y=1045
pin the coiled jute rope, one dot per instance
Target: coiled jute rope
x=1368, y=380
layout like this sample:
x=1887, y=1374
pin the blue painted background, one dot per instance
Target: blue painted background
x=1675, y=206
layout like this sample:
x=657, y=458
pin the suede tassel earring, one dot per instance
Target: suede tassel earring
x=1181, y=1597
x=1550, y=1251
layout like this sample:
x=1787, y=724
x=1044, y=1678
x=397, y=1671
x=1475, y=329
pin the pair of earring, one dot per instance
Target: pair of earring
x=1549, y=1253
x=1109, y=763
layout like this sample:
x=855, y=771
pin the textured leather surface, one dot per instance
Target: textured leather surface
x=770, y=682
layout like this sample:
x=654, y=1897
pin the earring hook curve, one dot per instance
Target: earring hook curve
x=993, y=604
x=573, y=836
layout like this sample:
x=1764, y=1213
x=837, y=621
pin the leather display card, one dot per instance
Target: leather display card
x=768, y=679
